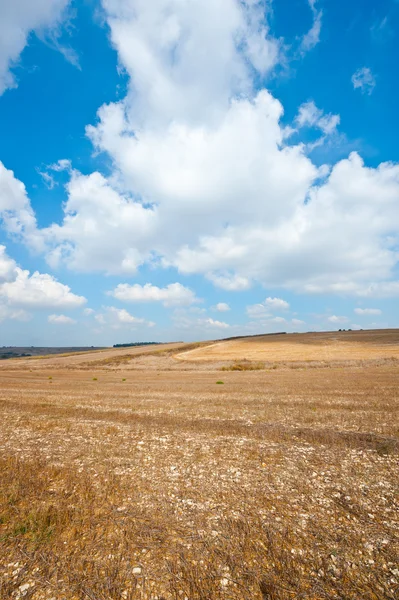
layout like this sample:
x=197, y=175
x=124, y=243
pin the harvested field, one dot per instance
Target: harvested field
x=328, y=347
x=142, y=478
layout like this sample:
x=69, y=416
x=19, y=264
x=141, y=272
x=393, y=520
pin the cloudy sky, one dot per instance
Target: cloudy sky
x=192, y=169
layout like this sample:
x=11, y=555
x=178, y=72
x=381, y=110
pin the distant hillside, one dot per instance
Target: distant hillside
x=7, y=352
x=134, y=344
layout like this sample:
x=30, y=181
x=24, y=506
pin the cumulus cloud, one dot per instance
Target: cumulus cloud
x=60, y=320
x=17, y=20
x=264, y=309
x=278, y=320
x=258, y=311
x=161, y=45
x=38, y=291
x=22, y=292
x=218, y=324
x=173, y=294
x=364, y=80
x=298, y=322
x=221, y=307
x=341, y=241
x=231, y=282
x=123, y=316
x=119, y=318
x=95, y=212
x=16, y=213
x=7, y=313
x=337, y=319
x=233, y=200
x=187, y=319
x=368, y=311
x=381, y=289
x=188, y=188
x=276, y=304
x=7, y=266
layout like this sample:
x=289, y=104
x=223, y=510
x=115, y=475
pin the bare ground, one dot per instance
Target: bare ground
x=142, y=477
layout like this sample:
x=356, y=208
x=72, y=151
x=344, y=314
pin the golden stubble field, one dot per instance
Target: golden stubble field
x=255, y=472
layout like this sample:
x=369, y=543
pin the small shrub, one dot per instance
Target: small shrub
x=95, y=379
x=220, y=382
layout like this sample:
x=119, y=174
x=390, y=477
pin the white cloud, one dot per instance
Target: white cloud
x=123, y=316
x=341, y=241
x=21, y=291
x=297, y=322
x=88, y=312
x=95, y=212
x=119, y=318
x=47, y=173
x=312, y=37
x=221, y=307
x=7, y=313
x=188, y=188
x=311, y=116
x=161, y=45
x=264, y=309
x=259, y=47
x=173, y=294
x=7, y=266
x=17, y=20
x=258, y=311
x=15, y=210
x=382, y=289
x=233, y=200
x=278, y=320
x=225, y=281
x=64, y=164
x=276, y=304
x=336, y=319
x=48, y=179
x=368, y=311
x=60, y=320
x=38, y=291
x=100, y=318
x=381, y=30
x=364, y=80
x=186, y=319
x=217, y=324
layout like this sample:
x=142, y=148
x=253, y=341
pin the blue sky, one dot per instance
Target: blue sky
x=200, y=169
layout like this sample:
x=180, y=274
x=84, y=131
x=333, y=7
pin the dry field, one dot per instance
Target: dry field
x=133, y=474
x=308, y=347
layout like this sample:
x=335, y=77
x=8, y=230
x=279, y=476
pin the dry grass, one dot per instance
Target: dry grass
x=150, y=484
x=163, y=350
x=244, y=365
x=328, y=347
